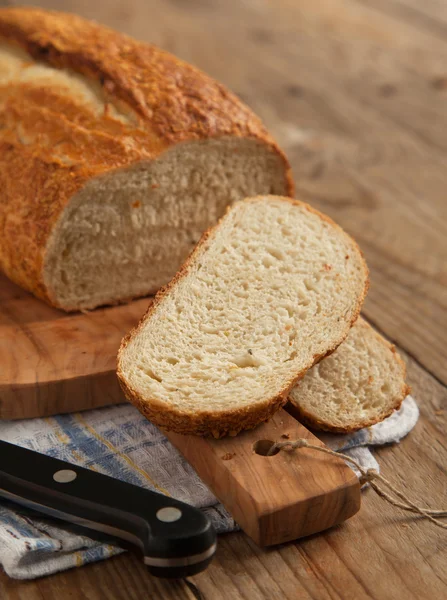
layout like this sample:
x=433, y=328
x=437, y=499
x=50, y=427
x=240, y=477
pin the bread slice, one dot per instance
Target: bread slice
x=358, y=385
x=268, y=291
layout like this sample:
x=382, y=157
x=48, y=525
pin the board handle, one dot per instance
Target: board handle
x=277, y=498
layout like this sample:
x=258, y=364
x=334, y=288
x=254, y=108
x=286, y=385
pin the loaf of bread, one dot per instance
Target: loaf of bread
x=358, y=385
x=114, y=158
x=267, y=292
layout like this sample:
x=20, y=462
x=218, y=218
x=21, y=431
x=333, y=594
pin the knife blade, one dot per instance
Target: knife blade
x=176, y=539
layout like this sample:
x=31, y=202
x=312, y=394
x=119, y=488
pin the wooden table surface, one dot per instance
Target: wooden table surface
x=356, y=93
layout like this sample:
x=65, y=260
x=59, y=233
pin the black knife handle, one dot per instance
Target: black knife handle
x=177, y=540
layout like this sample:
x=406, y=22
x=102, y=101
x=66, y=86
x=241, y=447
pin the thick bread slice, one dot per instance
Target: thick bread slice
x=358, y=385
x=115, y=157
x=270, y=290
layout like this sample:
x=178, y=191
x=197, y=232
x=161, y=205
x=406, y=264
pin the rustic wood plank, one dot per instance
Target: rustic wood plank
x=429, y=14
x=356, y=96
x=120, y=578
x=19, y=590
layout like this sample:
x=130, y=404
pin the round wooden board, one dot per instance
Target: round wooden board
x=52, y=362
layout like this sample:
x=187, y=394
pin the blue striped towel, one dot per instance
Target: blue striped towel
x=119, y=442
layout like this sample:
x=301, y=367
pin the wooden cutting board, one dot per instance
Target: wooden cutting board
x=52, y=362
x=275, y=499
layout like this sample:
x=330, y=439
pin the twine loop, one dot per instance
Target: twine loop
x=368, y=476
x=378, y=482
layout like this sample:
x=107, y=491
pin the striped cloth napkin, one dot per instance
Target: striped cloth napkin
x=119, y=442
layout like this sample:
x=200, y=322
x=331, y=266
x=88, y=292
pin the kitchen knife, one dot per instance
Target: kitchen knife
x=177, y=540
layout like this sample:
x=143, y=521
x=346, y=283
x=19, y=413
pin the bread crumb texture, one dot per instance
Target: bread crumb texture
x=251, y=310
x=360, y=384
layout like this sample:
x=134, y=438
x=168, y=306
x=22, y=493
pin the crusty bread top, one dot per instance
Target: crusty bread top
x=155, y=92
x=79, y=100
x=270, y=290
x=360, y=384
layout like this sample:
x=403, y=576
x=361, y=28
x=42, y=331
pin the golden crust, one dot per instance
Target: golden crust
x=175, y=100
x=33, y=195
x=52, y=144
x=231, y=422
x=317, y=424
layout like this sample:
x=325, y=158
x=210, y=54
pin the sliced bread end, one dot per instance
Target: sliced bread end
x=359, y=385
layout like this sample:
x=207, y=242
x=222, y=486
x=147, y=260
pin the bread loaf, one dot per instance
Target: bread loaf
x=267, y=292
x=360, y=384
x=114, y=158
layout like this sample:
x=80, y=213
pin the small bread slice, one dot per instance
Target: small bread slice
x=268, y=291
x=358, y=385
